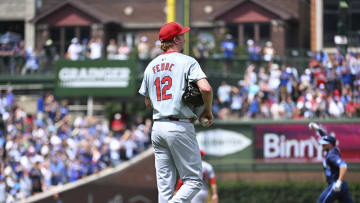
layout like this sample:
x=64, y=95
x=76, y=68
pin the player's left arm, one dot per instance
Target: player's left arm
x=214, y=196
x=338, y=161
x=342, y=168
x=342, y=173
x=212, y=180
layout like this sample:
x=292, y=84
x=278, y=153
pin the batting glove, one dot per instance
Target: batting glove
x=313, y=125
x=337, y=186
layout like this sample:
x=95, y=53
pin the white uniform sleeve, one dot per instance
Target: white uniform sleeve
x=195, y=71
x=211, y=172
x=144, y=89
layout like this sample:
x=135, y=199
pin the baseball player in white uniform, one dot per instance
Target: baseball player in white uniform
x=208, y=176
x=173, y=133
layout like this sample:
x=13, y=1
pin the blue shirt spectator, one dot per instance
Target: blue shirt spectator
x=323, y=57
x=254, y=108
x=253, y=50
x=40, y=104
x=228, y=47
x=10, y=98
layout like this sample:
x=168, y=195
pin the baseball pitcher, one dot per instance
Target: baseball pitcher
x=173, y=133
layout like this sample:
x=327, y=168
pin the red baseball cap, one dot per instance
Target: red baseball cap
x=171, y=30
x=202, y=152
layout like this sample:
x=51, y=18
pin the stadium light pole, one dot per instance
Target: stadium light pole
x=187, y=23
x=170, y=10
x=343, y=23
x=180, y=12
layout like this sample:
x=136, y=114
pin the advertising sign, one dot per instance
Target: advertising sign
x=220, y=142
x=95, y=78
x=297, y=143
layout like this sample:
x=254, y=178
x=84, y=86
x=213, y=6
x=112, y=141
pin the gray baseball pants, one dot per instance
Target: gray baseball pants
x=176, y=149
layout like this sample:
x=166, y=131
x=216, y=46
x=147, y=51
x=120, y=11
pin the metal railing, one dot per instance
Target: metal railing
x=17, y=65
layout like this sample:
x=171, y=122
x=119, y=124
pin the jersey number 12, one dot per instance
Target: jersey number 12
x=161, y=93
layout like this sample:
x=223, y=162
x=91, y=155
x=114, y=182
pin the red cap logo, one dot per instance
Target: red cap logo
x=171, y=30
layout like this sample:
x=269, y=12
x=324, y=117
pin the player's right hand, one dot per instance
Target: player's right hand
x=209, y=116
x=313, y=126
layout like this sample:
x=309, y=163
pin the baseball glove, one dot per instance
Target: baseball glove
x=192, y=95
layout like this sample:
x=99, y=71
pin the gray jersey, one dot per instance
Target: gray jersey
x=164, y=83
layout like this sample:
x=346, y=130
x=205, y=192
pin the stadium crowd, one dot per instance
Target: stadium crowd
x=328, y=88
x=51, y=147
x=114, y=50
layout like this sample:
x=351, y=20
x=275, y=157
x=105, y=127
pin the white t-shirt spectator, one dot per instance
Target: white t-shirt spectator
x=95, y=50
x=74, y=51
x=25, y=186
x=224, y=93
x=2, y=191
x=25, y=162
x=129, y=146
x=236, y=102
x=274, y=80
x=277, y=110
x=336, y=109
x=114, y=147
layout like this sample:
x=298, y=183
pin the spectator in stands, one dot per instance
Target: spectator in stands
x=201, y=49
x=336, y=108
x=111, y=50
x=156, y=50
x=228, y=46
x=143, y=48
x=269, y=52
x=250, y=76
x=352, y=108
x=264, y=108
x=289, y=106
x=128, y=145
x=6, y=60
x=254, y=51
x=50, y=53
x=58, y=151
x=123, y=51
x=321, y=91
x=10, y=97
x=95, y=47
x=85, y=50
x=223, y=93
x=284, y=81
x=74, y=50
x=254, y=107
x=228, y=49
x=36, y=178
x=236, y=102
x=58, y=171
x=118, y=124
x=31, y=61
x=322, y=57
x=19, y=56
x=25, y=184
x=2, y=189
x=274, y=78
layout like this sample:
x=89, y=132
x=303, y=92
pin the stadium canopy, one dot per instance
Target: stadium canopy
x=72, y=13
